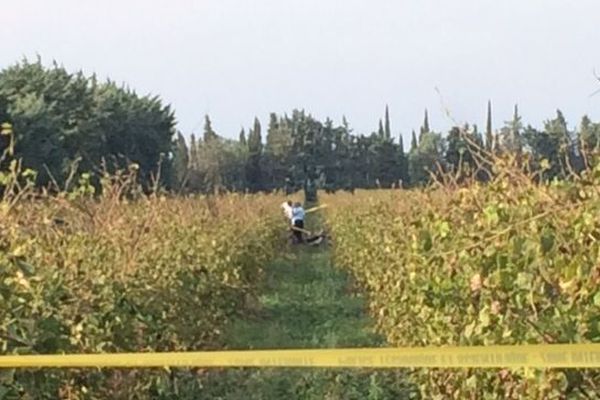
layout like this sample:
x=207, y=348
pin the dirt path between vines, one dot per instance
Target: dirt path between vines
x=306, y=303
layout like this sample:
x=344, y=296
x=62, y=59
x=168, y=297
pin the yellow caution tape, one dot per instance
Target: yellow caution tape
x=530, y=356
x=310, y=210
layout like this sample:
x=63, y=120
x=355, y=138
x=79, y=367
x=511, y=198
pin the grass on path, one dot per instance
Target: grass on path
x=306, y=303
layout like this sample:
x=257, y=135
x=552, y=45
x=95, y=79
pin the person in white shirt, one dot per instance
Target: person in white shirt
x=298, y=222
x=295, y=214
x=287, y=209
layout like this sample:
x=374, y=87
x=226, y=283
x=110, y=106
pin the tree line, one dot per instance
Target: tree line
x=65, y=124
x=300, y=152
x=68, y=124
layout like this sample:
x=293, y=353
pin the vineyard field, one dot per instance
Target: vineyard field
x=500, y=263
x=482, y=264
x=326, y=200
x=84, y=275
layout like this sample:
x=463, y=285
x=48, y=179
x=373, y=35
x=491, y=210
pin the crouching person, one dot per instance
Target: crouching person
x=298, y=222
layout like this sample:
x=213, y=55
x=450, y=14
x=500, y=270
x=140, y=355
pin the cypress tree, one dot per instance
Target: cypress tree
x=180, y=164
x=401, y=144
x=253, y=170
x=275, y=151
x=403, y=162
x=380, y=131
x=516, y=126
x=388, y=133
x=587, y=139
x=489, y=135
x=193, y=159
x=255, y=139
x=276, y=140
x=195, y=179
x=425, y=127
x=242, y=137
x=414, y=144
x=346, y=125
x=209, y=133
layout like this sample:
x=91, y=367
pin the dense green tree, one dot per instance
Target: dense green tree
x=386, y=162
x=427, y=158
x=180, y=164
x=510, y=135
x=344, y=145
x=212, y=164
x=195, y=180
x=553, y=146
x=253, y=170
x=233, y=159
x=217, y=164
x=278, y=152
x=134, y=129
x=589, y=135
x=457, y=149
x=402, y=176
x=61, y=118
x=414, y=144
x=463, y=146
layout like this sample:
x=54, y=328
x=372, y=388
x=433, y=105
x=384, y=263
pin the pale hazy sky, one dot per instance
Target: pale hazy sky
x=237, y=59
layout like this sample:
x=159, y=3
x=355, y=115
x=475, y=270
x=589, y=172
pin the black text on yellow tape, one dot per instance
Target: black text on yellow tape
x=520, y=356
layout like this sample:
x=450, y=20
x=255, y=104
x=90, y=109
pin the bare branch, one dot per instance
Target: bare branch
x=598, y=78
